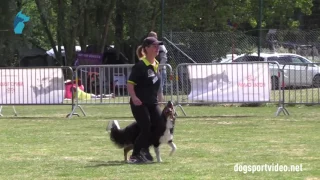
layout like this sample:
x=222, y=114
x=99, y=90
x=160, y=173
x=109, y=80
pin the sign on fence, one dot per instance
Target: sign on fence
x=31, y=86
x=229, y=82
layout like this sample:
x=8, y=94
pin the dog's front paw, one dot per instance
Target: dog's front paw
x=173, y=148
x=159, y=160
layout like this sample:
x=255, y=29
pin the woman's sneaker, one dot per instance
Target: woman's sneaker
x=137, y=159
x=145, y=153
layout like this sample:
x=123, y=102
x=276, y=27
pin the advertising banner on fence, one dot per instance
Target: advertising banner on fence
x=31, y=86
x=229, y=82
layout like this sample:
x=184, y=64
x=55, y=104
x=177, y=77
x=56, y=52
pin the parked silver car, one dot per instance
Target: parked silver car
x=297, y=70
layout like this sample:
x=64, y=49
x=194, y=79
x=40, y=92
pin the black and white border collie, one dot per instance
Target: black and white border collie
x=125, y=138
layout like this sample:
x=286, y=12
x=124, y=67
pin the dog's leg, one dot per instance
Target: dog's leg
x=173, y=147
x=126, y=151
x=157, y=151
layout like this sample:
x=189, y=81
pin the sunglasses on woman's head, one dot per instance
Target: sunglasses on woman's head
x=154, y=46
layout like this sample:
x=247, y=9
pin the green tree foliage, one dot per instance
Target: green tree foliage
x=212, y=15
x=124, y=23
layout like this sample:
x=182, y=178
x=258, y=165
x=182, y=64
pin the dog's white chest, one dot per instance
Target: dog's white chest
x=167, y=135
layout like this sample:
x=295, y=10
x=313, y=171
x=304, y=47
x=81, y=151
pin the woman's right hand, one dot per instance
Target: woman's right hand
x=136, y=101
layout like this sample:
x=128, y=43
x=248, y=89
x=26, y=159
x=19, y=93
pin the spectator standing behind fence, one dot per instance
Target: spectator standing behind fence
x=163, y=61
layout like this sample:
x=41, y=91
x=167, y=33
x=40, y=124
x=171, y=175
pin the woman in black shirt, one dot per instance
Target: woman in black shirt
x=143, y=88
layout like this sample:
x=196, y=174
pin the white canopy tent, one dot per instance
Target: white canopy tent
x=51, y=52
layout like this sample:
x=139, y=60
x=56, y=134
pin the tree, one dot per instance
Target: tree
x=44, y=20
x=9, y=42
x=124, y=23
x=212, y=15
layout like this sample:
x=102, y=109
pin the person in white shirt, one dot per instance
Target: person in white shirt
x=163, y=61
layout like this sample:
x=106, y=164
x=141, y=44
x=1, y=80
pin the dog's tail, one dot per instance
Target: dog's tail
x=126, y=136
x=117, y=137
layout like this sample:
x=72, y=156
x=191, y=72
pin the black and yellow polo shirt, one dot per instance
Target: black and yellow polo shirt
x=146, y=79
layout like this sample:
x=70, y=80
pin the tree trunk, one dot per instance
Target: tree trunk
x=46, y=28
x=155, y=13
x=83, y=26
x=60, y=29
x=119, y=25
x=106, y=25
x=71, y=34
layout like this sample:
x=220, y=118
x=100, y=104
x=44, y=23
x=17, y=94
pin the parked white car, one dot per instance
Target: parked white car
x=297, y=70
x=228, y=58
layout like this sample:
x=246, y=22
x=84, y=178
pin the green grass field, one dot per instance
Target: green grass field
x=42, y=144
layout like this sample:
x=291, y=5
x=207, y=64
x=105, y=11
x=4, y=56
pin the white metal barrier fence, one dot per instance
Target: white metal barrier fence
x=34, y=86
x=301, y=83
x=223, y=83
x=107, y=84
